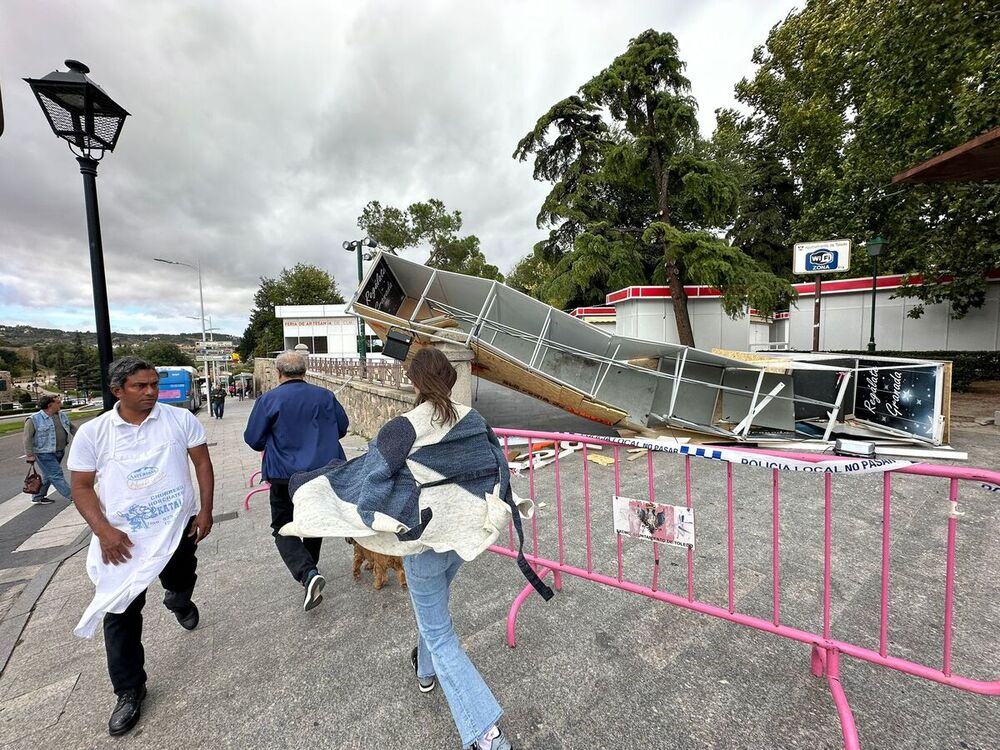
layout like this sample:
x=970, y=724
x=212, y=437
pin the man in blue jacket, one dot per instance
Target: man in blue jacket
x=298, y=426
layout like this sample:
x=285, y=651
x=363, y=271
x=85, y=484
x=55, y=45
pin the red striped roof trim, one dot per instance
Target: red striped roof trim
x=805, y=289
x=580, y=311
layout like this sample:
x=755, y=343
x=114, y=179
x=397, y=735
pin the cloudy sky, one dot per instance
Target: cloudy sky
x=259, y=130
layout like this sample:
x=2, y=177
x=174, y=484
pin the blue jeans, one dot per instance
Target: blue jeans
x=473, y=707
x=52, y=474
x=218, y=407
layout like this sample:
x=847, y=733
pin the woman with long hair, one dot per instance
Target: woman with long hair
x=434, y=488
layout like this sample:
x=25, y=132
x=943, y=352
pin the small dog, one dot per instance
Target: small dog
x=379, y=563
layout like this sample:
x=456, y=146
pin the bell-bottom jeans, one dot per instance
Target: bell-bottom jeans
x=439, y=653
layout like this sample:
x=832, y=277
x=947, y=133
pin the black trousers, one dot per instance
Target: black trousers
x=299, y=555
x=123, y=632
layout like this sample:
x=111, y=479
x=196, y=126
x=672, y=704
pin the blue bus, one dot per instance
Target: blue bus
x=179, y=387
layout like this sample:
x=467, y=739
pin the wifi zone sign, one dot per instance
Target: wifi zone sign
x=822, y=257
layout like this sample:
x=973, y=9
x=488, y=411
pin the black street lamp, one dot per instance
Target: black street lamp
x=89, y=120
x=874, y=248
x=357, y=246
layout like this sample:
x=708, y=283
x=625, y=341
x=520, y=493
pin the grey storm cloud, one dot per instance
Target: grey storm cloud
x=259, y=131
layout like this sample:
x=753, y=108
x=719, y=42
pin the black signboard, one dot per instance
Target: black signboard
x=901, y=398
x=382, y=291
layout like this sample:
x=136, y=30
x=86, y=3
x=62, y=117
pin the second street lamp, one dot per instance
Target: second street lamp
x=201, y=298
x=874, y=248
x=357, y=246
x=89, y=120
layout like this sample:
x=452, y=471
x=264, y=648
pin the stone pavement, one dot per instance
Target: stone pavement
x=594, y=668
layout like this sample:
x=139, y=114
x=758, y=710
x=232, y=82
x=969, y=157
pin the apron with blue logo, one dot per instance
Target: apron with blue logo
x=149, y=495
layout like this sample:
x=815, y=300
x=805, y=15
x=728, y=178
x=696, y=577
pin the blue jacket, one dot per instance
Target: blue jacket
x=298, y=426
x=45, y=431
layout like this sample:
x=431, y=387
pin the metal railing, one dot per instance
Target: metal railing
x=387, y=373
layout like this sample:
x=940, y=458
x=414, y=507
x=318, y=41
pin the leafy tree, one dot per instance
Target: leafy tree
x=389, y=226
x=165, y=354
x=530, y=275
x=303, y=284
x=849, y=93
x=17, y=364
x=637, y=195
x=769, y=201
x=429, y=222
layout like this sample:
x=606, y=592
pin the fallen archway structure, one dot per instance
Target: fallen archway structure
x=651, y=388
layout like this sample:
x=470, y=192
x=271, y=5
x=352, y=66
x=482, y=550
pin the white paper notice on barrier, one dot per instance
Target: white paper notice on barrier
x=657, y=522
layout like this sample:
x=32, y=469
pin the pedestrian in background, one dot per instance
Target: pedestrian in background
x=146, y=521
x=217, y=400
x=298, y=426
x=46, y=434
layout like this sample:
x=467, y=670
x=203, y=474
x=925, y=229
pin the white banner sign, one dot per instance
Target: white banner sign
x=657, y=522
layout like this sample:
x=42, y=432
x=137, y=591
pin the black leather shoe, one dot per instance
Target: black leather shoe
x=189, y=620
x=126, y=712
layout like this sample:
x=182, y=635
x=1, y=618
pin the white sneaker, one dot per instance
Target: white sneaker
x=494, y=739
x=314, y=590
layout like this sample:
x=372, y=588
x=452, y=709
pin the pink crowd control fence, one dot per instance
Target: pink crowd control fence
x=579, y=528
x=262, y=487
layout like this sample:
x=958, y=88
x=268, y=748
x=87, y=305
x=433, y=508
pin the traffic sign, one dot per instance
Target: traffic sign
x=830, y=256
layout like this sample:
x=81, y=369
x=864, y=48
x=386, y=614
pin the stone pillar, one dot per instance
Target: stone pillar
x=461, y=359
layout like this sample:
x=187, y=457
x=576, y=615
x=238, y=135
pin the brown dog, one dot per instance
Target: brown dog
x=379, y=563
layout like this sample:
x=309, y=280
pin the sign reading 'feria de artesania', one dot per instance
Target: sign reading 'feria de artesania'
x=829, y=256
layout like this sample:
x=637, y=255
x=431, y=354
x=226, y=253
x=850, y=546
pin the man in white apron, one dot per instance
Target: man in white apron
x=145, y=519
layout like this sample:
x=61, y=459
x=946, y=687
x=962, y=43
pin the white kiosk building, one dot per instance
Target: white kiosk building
x=326, y=330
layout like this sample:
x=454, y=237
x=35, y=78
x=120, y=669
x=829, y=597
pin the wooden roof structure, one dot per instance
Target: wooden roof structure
x=978, y=159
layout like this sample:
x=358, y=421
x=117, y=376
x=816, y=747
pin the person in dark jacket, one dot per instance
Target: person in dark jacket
x=218, y=401
x=298, y=426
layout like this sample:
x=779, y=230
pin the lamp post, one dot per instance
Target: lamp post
x=201, y=298
x=90, y=121
x=874, y=248
x=356, y=246
x=211, y=337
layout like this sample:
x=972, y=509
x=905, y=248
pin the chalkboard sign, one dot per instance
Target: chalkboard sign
x=902, y=399
x=382, y=291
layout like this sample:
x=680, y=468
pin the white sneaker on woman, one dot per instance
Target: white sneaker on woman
x=494, y=739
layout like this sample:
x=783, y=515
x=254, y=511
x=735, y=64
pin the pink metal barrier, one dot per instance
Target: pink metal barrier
x=263, y=487
x=254, y=477
x=826, y=649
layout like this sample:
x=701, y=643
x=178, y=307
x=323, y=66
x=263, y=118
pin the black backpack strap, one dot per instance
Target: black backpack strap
x=526, y=570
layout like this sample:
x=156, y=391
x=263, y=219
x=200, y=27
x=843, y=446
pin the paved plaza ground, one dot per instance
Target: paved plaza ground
x=594, y=668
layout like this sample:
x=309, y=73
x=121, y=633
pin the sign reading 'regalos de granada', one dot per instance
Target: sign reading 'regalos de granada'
x=905, y=399
x=830, y=256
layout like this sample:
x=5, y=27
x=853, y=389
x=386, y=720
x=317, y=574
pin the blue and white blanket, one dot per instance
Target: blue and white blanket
x=420, y=486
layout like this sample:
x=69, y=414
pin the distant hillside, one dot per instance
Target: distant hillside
x=18, y=336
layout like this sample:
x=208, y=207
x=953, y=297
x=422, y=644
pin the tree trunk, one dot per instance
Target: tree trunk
x=677, y=294
x=685, y=335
